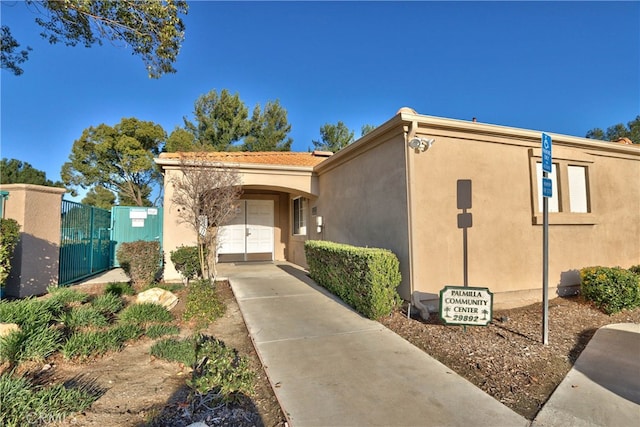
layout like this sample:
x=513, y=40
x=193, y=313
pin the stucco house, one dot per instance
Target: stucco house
x=457, y=201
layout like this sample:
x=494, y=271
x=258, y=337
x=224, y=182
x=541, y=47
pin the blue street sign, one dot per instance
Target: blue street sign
x=546, y=152
x=547, y=189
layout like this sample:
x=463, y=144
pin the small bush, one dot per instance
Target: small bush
x=145, y=313
x=83, y=316
x=365, y=278
x=23, y=403
x=66, y=296
x=203, y=305
x=176, y=350
x=119, y=289
x=107, y=304
x=186, y=260
x=610, y=289
x=9, y=237
x=160, y=330
x=141, y=260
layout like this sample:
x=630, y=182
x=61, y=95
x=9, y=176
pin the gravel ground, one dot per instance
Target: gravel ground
x=507, y=359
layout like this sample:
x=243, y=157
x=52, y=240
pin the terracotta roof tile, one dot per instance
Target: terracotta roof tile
x=282, y=158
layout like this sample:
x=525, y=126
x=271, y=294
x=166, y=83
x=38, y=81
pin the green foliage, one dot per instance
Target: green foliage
x=31, y=343
x=220, y=121
x=181, y=139
x=100, y=197
x=83, y=316
x=27, y=312
x=107, y=304
x=14, y=171
x=152, y=29
x=24, y=403
x=171, y=287
x=610, y=289
x=119, y=289
x=364, y=278
x=118, y=158
x=365, y=129
x=141, y=261
x=186, y=260
x=93, y=343
x=64, y=295
x=9, y=237
x=635, y=269
x=176, y=350
x=203, y=305
x=141, y=314
x=160, y=329
x=334, y=137
x=220, y=369
x=269, y=129
x=615, y=132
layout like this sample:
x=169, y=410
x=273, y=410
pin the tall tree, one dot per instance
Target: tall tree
x=100, y=197
x=14, y=171
x=206, y=194
x=181, y=139
x=334, y=137
x=152, y=28
x=118, y=158
x=220, y=121
x=269, y=129
x=615, y=132
x=365, y=129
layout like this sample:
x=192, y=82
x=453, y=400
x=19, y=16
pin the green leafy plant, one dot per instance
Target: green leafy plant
x=186, y=260
x=141, y=261
x=145, y=313
x=610, y=289
x=635, y=269
x=365, y=278
x=92, y=343
x=160, y=330
x=82, y=316
x=65, y=295
x=9, y=237
x=30, y=344
x=203, y=305
x=119, y=289
x=176, y=350
x=107, y=304
x=27, y=313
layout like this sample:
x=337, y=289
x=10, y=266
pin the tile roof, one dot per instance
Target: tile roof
x=280, y=158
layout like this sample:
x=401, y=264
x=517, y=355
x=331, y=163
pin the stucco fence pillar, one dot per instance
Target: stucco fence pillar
x=37, y=209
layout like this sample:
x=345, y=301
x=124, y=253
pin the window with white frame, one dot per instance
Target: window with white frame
x=571, y=201
x=300, y=216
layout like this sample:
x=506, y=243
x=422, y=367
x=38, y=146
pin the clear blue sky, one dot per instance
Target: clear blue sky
x=562, y=67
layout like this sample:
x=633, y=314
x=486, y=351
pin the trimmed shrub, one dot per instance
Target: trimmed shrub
x=186, y=260
x=365, y=278
x=9, y=237
x=610, y=289
x=141, y=261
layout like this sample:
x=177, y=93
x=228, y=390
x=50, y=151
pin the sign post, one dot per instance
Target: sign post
x=546, y=193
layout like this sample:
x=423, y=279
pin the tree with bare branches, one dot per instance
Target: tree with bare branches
x=206, y=194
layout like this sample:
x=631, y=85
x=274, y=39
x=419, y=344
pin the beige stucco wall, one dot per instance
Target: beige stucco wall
x=35, y=264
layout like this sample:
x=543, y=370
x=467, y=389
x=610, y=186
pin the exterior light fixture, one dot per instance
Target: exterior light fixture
x=420, y=144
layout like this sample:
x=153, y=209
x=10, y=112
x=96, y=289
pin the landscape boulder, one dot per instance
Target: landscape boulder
x=158, y=296
x=7, y=328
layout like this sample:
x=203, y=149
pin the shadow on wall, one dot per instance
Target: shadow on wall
x=34, y=267
x=569, y=284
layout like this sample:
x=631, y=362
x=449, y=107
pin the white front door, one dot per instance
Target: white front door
x=249, y=232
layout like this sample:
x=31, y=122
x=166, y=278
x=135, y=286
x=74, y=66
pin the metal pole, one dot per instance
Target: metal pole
x=545, y=268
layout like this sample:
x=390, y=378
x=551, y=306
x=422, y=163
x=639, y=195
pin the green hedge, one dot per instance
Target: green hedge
x=142, y=261
x=186, y=260
x=365, y=278
x=611, y=289
x=9, y=237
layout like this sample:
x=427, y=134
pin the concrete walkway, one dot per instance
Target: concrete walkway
x=329, y=366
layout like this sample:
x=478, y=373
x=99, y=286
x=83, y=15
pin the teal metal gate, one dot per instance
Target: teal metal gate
x=85, y=242
x=130, y=224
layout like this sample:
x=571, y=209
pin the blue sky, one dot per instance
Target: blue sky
x=562, y=67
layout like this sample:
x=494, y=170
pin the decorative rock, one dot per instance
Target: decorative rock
x=198, y=424
x=7, y=328
x=158, y=296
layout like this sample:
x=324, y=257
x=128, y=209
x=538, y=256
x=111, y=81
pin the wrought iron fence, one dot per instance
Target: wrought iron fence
x=85, y=242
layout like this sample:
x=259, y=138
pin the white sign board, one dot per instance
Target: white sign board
x=463, y=305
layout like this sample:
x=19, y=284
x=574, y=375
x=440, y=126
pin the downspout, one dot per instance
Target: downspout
x=415, y=296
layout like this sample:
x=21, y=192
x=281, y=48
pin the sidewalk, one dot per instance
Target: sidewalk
x=329, y=366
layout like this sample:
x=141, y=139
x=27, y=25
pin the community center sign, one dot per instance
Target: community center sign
x=462, y=305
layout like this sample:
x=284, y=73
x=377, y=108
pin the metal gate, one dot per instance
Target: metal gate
x=130, y=224
x=85, y=242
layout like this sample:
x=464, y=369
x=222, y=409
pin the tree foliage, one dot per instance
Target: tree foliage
x=615, y=132
x=220, y=121
x=152, y=28
x=268, y=129
x=206, y=195
x=14, y=171
x=181, y=139
x=365, y=129
x=334, y=137
x=100, y=197
x=118, y=158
